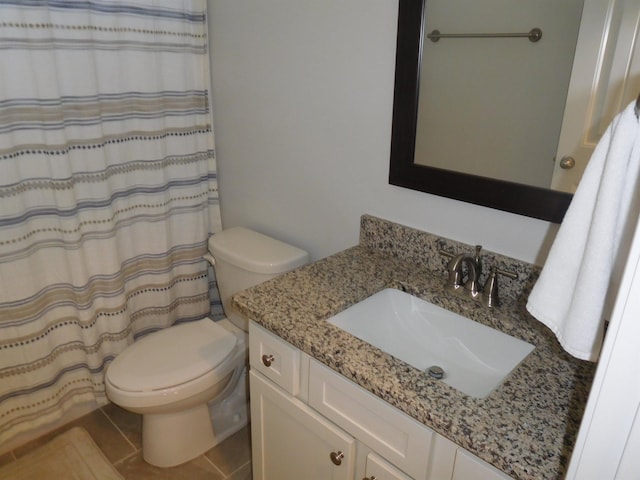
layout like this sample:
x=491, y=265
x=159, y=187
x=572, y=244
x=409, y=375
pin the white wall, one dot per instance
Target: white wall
x=302, y=98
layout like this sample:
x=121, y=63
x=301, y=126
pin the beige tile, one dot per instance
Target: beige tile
x=33, y=444
x=6, y=458
x=233, y=453
x=231, y=458
x=129, y=423
x=109, y=440
x=114, y=446
x=243, y=473
x=135, y=468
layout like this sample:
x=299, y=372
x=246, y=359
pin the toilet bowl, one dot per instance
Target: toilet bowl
x=170, y=386
x=182, y=377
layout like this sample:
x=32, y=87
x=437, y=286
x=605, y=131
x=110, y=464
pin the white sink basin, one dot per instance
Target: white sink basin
x=475, y=358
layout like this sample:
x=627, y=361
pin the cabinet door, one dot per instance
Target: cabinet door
x=468, y=467
x=291, y=441
x=379, y=469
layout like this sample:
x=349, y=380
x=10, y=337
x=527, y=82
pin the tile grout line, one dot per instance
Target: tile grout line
x=238, y=469
x=117, y=463
x=214, y=465
x=135, y=450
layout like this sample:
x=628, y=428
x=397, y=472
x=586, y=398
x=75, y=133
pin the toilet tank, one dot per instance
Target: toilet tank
x=244, y=258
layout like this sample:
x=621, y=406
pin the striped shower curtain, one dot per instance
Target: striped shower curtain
x=108, y=191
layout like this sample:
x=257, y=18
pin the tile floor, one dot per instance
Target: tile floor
x=118, y=434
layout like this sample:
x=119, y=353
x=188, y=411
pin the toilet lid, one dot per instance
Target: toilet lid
x=172, y=356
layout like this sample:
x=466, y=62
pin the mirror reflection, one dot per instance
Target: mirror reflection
x=604, y=77
x=492, y=106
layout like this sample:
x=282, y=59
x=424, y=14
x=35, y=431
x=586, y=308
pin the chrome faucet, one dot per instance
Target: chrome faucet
x=470, y=286
x=474, y=268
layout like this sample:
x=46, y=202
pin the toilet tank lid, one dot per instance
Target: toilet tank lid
x=256, y=252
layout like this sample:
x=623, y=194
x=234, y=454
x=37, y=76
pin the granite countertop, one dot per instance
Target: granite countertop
x=526, y=427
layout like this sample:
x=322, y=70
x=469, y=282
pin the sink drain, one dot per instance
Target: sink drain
x=436, y=372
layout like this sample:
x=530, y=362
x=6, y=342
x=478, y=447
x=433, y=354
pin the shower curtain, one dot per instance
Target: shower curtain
x=108, y=191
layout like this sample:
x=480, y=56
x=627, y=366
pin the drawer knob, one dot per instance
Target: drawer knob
x=336, y=457
x=267, y=360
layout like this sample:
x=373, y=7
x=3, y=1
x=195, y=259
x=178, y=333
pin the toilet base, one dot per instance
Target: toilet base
x=173, y=438
x=230, y=413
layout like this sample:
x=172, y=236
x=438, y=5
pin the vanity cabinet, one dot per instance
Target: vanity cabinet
x=310, y=422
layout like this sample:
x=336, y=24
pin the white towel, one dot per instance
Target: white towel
x=569, y=297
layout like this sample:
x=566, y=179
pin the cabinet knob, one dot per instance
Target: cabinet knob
x=567, y=163
x=336, y=457
x=267, y=360
x=372, y=477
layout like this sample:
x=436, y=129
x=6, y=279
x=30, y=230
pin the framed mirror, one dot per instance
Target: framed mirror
x=510, y=196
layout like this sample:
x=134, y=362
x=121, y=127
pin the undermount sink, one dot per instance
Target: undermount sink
x=473, y=358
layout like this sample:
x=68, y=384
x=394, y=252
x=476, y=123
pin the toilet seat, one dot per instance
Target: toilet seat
x=172, y=357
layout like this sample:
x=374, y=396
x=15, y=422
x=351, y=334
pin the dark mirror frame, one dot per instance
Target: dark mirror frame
x=512, y=197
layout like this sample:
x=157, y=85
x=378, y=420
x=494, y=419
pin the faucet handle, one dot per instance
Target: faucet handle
x=444, y=253
x=490, y=290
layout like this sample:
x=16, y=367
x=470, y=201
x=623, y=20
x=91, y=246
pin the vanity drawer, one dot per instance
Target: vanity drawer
x=389, y=432
x=274, y=358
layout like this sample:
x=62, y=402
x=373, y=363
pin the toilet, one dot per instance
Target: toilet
x=188, y=381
